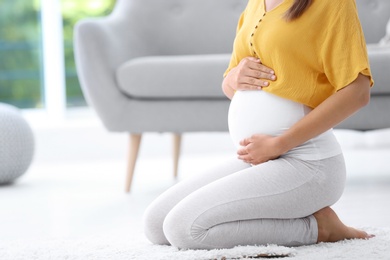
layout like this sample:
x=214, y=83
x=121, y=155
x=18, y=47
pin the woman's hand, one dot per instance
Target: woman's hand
x=249, y=74
x=259, y=148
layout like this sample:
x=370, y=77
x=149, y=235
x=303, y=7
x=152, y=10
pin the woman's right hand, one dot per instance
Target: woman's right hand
x=250, y=74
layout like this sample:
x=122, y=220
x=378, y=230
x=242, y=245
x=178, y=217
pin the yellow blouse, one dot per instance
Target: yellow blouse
x=313, y=56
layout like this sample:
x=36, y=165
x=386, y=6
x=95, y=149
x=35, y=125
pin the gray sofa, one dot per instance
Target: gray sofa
x=156, y=66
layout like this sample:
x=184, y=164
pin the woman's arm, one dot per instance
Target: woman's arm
x=261, y=148
x=249, y=74
x=328, y=114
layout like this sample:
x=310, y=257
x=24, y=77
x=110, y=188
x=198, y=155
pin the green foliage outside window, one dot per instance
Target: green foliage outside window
x=20, y=53
x=21, y=79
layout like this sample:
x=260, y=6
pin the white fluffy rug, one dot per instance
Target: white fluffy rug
x=114, y=248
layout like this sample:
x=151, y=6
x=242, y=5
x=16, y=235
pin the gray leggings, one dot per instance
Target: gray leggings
x=239, y=204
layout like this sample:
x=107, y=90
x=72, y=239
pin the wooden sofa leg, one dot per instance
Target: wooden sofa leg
x=176, y=153
x=134, y=143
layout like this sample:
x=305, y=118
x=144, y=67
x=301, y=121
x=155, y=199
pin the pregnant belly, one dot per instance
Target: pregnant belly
x=259, y=112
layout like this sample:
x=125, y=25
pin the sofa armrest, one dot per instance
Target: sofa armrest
x=380, y=63
x=96, y=56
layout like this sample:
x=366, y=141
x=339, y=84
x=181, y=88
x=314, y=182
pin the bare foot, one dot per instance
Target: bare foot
x=331, y=229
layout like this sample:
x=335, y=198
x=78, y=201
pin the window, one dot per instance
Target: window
x=23, y=61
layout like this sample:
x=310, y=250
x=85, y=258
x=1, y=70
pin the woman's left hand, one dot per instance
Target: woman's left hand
x=259, y=148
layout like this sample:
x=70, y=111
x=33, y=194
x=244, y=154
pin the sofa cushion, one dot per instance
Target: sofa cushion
x=200, y=76
x=187, y=76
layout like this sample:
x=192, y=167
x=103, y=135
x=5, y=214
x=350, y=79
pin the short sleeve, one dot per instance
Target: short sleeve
x=234, y=60
x=343, y=48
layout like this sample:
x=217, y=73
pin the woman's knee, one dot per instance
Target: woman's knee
x=179, y=231
x=153, y=225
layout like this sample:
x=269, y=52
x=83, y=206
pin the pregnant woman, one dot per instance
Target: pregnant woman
x=298, y=68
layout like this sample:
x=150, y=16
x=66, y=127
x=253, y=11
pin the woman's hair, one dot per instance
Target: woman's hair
x=297, y=9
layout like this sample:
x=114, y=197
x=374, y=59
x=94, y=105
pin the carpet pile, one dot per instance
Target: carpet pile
x=115, y=248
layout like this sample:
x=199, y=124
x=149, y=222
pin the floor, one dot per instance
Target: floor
x=75, y=186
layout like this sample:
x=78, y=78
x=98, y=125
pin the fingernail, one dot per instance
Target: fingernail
x=273, y=77
x=260, y=88
x=272, y=72
x=265, y=83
